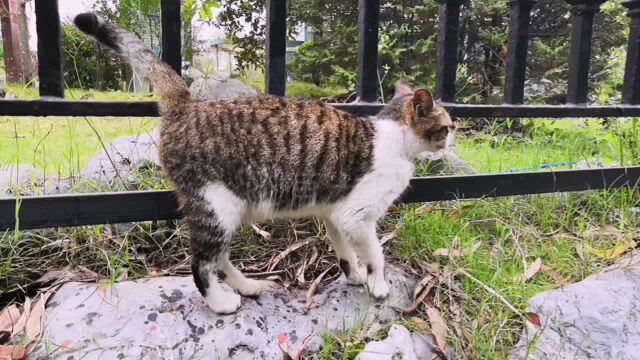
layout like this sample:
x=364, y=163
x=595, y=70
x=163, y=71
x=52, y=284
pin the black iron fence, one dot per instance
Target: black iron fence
x=102, y=208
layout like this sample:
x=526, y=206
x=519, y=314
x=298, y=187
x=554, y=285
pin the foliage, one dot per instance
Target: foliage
x=83, y=60
x=408, y=36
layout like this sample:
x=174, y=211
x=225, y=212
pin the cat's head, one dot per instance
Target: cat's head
x=417, y=109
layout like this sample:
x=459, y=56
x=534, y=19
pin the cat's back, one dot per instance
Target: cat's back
x=290, y=149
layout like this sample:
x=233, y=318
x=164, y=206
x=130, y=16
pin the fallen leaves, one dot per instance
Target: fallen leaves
x=534, y=319
x=8, y=318
x=457, y=253
x=533, y=269
x=613, y=253
x=313, y=289
x=13, y=352
x=295, y=246
x=438, y=328
x=557, y=278
x=25, y=325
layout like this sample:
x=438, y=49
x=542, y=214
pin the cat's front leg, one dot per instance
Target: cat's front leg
x=347, y=258
x=362, y=235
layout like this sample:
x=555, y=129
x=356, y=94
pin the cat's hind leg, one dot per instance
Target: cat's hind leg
x=347, y=258
x=208, y=247
x=213, y=218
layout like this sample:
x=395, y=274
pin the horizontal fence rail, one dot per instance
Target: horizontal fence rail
x=150, y=109
x=109, y=208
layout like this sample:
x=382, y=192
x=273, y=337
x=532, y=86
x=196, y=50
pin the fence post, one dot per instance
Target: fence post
x=582, y=12
x=49, y=49
x=368, y=19
x=171, y=36
x=631, y=89
x=447, y=52
x=516, y=62
x=276, y=47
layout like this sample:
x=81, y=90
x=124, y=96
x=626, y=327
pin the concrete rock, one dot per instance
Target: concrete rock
x=22, y=178
x=166, y=318
x=400, y=344
x=220, y=87
x=596, y=318
x=128, y=153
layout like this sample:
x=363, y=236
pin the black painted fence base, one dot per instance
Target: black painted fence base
x=150, y=109
x=110, y=208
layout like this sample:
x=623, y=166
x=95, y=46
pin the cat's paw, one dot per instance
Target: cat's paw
x=252, y=287
x=378, y=287
x=358, y=276
x=224, y=302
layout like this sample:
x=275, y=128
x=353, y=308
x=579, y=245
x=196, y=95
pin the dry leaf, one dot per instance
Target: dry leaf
x=303, y=267
x=19, y=327
x=124, y=275
x=458, y=253
x=422, y=284
x=557, y=278
x=313, y=289
x=534, y=319
x=447, y=252
x=8, y=318
x=438, y=327
x=387, y=237
x=274, y=262
x=420, y=300
x=533, y=269
x=424, y=209
x=12, y=352
x=264, y=234
x=282, y=344
x=612, y=253
x=33, y=328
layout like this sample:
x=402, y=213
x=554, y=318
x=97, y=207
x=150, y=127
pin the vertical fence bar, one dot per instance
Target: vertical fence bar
x=582, y=12
x=518, y=43
x=631, y=88
x=276, y=47
x=447, y=52
x=49, y=48
x=171, y=36
x=369, y=19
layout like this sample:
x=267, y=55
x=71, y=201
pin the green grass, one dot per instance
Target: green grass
x=511, y=231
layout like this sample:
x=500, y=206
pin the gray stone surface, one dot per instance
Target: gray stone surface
x=597, y=318
x=128, y=153
x=166, y=318
x=22, y=177
x=219, y=87
x=400, y=344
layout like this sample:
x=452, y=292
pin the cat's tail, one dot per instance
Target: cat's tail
x=166, y=82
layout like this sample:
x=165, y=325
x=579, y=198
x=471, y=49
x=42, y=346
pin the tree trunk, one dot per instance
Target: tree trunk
x=27, y=61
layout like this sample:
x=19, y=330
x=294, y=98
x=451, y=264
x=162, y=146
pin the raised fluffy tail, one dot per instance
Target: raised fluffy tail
x=166, y=82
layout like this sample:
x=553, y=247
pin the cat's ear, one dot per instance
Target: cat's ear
x=422, y=101
x=403, y=88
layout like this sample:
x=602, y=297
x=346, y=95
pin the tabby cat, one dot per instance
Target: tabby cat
x=245, y=160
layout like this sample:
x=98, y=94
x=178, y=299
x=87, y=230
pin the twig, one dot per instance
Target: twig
x=491, y=291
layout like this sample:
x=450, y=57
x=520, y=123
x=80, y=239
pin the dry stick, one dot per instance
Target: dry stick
x=104, y=147
x=491, y=291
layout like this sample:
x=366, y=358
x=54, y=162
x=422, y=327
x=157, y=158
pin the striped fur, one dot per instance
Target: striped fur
x=240, y=161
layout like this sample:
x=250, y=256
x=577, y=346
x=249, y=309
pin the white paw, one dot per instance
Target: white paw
x=378, y=287
x=252, y=287
x=226, y=302
x=358, y=276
